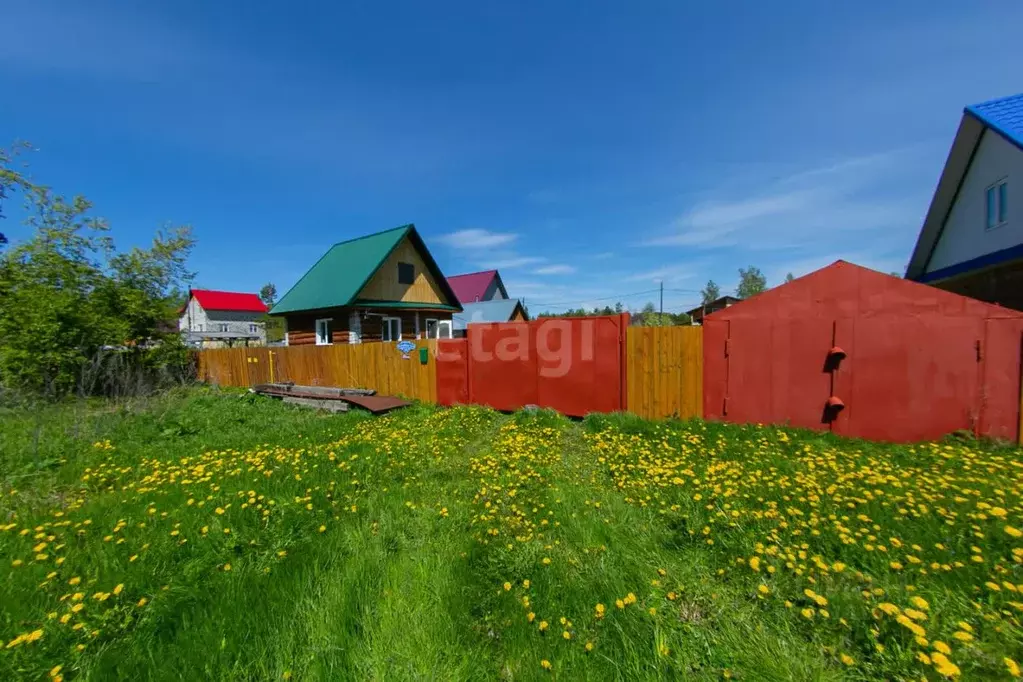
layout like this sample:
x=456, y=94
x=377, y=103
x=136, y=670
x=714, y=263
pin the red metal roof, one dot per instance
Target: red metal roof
x=228, y=300
x=472, y=287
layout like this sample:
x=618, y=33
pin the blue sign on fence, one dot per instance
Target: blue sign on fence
x=405, y=347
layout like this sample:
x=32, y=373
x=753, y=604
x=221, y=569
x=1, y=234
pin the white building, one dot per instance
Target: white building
x=971, y=241
x=213, y=319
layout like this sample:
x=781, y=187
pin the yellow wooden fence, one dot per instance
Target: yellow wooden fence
x=664, y=370
x=378, y=366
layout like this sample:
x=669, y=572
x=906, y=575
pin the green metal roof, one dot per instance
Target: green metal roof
x=341, y=273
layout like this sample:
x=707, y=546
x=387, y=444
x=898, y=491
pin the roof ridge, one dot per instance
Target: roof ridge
x=478, y=272
x=406, y=226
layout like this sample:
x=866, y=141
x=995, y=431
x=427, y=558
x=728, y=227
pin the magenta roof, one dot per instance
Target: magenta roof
x=472, y=287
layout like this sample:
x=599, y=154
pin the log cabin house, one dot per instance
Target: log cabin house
x=381, y=287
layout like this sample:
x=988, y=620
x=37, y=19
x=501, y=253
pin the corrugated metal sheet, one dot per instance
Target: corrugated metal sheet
x=228, y=300
x=472, y=287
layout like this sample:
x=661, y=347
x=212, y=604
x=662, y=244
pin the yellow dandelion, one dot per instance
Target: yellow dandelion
x=944, y=666
x=1012, y=666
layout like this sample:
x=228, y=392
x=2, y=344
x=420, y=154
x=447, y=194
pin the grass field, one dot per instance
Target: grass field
x=220, y=536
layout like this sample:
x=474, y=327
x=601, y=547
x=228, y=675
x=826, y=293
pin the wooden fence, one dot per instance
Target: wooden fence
x=378, y=366
x=664, y=370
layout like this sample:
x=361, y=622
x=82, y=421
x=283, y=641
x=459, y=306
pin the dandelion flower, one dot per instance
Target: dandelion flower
x=1012, y=666
x=944, y=666
x=545, y=664
x=847, y=659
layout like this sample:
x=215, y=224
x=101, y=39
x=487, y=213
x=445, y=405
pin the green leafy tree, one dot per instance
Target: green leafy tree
x=68, y=296
x=711, y=292
x=268, y=294
x=751, y=282
x=789, y=277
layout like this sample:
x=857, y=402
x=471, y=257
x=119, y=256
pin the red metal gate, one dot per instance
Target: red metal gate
x=775, y=371
x=910, y=378
x=573, y=365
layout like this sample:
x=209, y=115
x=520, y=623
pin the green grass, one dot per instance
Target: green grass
x=271, y=542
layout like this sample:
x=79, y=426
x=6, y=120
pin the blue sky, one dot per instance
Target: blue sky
x=588, y=150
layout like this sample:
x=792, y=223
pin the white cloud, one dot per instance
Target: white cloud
x=855, y=198
x=477, y=239
x=670, y=274
x=510, y=262
x=555, y=270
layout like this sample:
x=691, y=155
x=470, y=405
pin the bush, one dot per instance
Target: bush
x=76, y=316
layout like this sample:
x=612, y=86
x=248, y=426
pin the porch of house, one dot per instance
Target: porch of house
x=1001, y=284
x=367, y=324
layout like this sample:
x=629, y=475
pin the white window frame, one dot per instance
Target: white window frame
x=253, y=328
x=321, y=339
x=385, y=332
x=429, y=321
x=441, y=326
x=995, y=213
x=223, y=327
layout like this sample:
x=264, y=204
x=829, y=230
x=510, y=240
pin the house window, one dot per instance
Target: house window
x=324, y=334
x=997, y=204
x=392, y=329
x=223, y=327
x=438, y=329
x=253, y=329
x=406, y=273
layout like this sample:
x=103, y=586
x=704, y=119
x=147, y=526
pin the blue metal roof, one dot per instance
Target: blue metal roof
x=1004, y=115
x=497, y=310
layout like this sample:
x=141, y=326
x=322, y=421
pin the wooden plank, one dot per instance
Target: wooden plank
x=665, y=371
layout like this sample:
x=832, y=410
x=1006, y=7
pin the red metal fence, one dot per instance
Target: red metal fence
x=573, y=365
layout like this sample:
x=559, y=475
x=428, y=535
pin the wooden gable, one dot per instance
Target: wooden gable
x=384, y=284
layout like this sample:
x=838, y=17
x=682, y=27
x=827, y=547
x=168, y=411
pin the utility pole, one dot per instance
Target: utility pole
x=662, y=298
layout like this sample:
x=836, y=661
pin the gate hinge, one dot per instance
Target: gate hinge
x=728, y=347
x=724, y=406
x=980, y=352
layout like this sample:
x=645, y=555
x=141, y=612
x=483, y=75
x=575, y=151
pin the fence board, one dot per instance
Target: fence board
x=665, y=371
x=378, y=366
